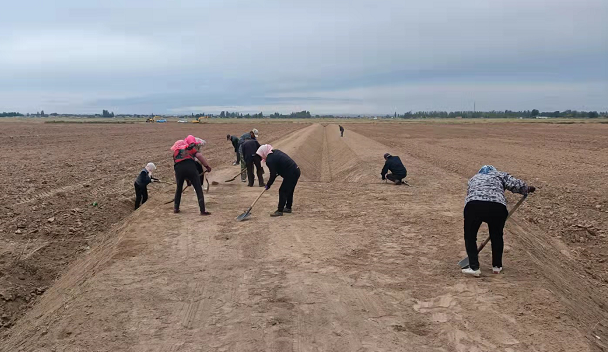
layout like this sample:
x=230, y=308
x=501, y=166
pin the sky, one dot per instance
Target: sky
x=328, y=57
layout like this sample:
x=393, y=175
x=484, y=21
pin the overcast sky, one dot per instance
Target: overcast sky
x=329, y=56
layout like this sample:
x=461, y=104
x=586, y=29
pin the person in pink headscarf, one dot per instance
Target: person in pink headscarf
x=184, y=154
x=282, y=165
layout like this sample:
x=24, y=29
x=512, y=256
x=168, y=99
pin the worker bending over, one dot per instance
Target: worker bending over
x=486, y=202
x=253, y=134
x=282, y=165
x=395, y=166
x=250, y=148
x=184, y=153
x=141, y=184
x=341, y=131
x=235, y=144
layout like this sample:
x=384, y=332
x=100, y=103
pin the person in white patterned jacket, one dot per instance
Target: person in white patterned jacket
x=486, y=202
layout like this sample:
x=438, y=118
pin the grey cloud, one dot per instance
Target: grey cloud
x=140, y=55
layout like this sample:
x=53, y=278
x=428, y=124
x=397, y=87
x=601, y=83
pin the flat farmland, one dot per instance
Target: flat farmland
x=359, y=266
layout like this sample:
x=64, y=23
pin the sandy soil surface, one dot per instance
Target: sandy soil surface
x=360, y=265
x=53, y=173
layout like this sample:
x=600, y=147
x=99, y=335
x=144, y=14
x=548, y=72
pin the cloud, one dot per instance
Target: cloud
x=137, y=56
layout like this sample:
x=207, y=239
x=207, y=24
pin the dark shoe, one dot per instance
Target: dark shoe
x=176, y=211
x=276, y=213
x=287, y=210
x=251, y=185
x=204, y=213
x=262, y=185
x=398, y=182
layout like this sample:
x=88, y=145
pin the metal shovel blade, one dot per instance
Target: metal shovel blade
x=463, y=264
x=244, y=216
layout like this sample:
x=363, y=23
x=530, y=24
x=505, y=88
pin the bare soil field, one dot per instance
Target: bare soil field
x=359, y=266
x=53, y=173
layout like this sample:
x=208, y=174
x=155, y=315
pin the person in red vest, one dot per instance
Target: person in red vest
x=184, y=154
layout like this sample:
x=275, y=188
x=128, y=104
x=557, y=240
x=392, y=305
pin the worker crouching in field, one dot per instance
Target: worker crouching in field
x=141, y=184
x=235, y=143
x=250, y=148
x=253, y=134
x=395, y=166
x=281, y=164
x=486, y=202
x=184, y=154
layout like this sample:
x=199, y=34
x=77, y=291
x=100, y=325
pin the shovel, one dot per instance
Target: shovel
x=246, y=214
x=465, y=262
x=185, y=188
x=237, y=175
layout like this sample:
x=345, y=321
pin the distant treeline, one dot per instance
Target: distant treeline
x=10, y=114
x=500, y=114
x=294, y=115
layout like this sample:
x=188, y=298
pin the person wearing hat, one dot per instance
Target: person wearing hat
x=282, y=165
x=395, y=166
x=253, y=134
x=486, y=202
x=141, y=184
x=184, y=154
x=341, y=130
x=235, y=144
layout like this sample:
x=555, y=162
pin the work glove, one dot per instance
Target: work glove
x=383, y=178
x=188, y=183
x=267, y=187
x=208, y=169
x=531, y=189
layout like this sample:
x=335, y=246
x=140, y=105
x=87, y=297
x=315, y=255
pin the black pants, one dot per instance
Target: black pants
x=341, y=133
x=141, y=195
x=394, y=178
x=287, y=188
x=238, y=156
x=495, y=215
x=186, y=170
x=259, y=171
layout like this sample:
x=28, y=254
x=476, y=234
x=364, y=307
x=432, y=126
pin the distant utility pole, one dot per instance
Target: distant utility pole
x=474, y=107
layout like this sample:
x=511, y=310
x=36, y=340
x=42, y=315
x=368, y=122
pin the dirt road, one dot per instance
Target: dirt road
x=359, y=266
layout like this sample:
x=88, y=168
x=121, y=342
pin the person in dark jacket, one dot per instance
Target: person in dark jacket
x=184, y=153
x=394, y=165
x=341, y=131
x=253, y=134
x=141, y=184
x=486, y=202
x=250, y=148
x=235, y=144
x=282, y=165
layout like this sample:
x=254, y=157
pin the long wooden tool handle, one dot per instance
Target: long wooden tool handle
x=256, y=200
x=483, y=244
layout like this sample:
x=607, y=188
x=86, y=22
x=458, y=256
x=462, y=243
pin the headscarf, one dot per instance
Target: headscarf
x=190, y=140
x=387, y=155
x=255, y=132
x=150, y=167
x=486, y=169
x=181, y=144
x=264, y=150
x=200, y=143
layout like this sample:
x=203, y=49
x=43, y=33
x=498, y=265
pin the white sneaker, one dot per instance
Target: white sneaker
x=472, y=272
x=496, y=270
